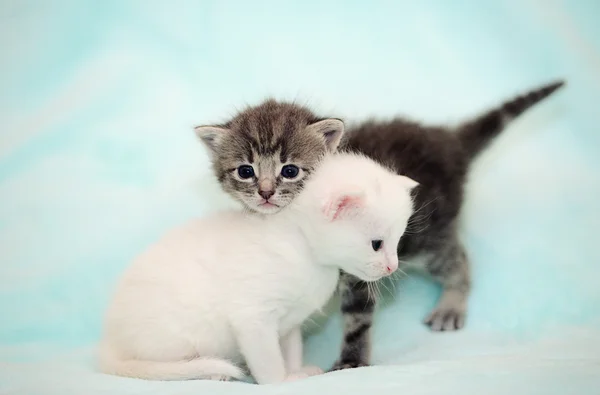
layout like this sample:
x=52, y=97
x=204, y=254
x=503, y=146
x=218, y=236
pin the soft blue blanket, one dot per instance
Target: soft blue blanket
x=98, y=158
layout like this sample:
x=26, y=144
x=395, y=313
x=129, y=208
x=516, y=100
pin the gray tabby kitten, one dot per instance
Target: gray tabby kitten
x=263, y=156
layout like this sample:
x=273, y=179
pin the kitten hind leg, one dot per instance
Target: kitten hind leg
x=357, y=310
x=450, y=266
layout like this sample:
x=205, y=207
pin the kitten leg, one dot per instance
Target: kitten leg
x=357, y=310
x=291, y=346
x=451, y=267
x=261, y=349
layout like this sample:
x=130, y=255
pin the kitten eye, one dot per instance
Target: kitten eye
x=376, y=244
x=290, y=171
x=245, y=171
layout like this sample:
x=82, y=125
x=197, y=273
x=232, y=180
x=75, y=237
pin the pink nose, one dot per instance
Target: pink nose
x=266, y=194
x=391, y=267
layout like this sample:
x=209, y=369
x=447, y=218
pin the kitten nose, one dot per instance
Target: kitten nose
x=391, y=266
x=266, y=194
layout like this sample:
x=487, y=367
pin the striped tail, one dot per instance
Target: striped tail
x=476, y=134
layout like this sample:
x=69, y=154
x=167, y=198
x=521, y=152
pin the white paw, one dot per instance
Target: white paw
x=296, y=376
x=312, y=370
x=304, y=372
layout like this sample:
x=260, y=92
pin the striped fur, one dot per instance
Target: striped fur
x=436, y=157
x=267, y=137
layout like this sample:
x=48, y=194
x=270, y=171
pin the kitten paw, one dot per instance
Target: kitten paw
x=445, y=319
x=304, y=372
x=296, y=376
x=312, y=370
x=339, y=365
x=219, y=378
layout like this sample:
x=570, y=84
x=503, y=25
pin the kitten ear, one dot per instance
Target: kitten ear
x=408, y=183
x=342, y=205
x=211, y=136
x=331, y=129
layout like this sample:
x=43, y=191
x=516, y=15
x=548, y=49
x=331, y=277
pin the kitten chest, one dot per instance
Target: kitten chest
x=310, y=293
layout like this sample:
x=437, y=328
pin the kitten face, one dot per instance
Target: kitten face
x=366, y=227
x=363, y=208
x=263, y=156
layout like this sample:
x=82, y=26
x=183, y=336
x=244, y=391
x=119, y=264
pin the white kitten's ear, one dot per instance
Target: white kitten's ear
x=408, y=183
x=342, y=205
x=211, y=136
x=331, y=129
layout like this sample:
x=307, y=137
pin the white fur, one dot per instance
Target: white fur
x=236, y=287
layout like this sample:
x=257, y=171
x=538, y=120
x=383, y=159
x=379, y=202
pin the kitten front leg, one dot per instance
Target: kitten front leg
x=357, y=310
x=451, y=267
x=260, y=347
x=291, y=346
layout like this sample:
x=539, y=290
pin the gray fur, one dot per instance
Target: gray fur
x=437, y=158
x=267, y=137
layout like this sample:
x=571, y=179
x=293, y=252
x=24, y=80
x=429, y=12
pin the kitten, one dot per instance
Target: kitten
x=237, y=286
x=274, y=137
x=263, y=156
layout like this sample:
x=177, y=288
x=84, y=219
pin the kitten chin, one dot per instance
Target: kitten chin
x=266, y=208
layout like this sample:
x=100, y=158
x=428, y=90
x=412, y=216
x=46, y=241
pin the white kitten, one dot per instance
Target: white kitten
x=236, y=287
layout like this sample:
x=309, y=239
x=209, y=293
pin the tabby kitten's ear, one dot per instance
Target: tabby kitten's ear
x=211, y=136
x=331, y=129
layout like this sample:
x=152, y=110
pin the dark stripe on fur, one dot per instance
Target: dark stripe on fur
x=476, y=134
x=356, y=299
x=356, y=348
x=358, y=333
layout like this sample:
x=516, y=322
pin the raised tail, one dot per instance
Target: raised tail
x=201, y=368
x=476, y=134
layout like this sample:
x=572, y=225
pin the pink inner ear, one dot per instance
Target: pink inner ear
x=345, y=204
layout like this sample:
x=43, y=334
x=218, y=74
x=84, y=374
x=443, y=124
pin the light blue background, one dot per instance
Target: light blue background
x=98, y=158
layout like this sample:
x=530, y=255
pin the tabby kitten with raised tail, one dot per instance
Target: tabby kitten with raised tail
x=263, y=156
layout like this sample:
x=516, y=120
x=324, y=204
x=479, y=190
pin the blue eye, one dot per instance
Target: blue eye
x=376, y=244
x=245, y=171
x=290, y=171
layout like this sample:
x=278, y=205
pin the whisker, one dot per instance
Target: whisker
x=419, y=218
x=383, y=288
x=374, y=291
x=426, y=204
x=423, y=219
x=312, y=322
x=386, y=288
x=393, y=283
x=377, y=290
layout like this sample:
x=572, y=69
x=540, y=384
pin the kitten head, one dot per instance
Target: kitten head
x=364, y=210
x=263, y=156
